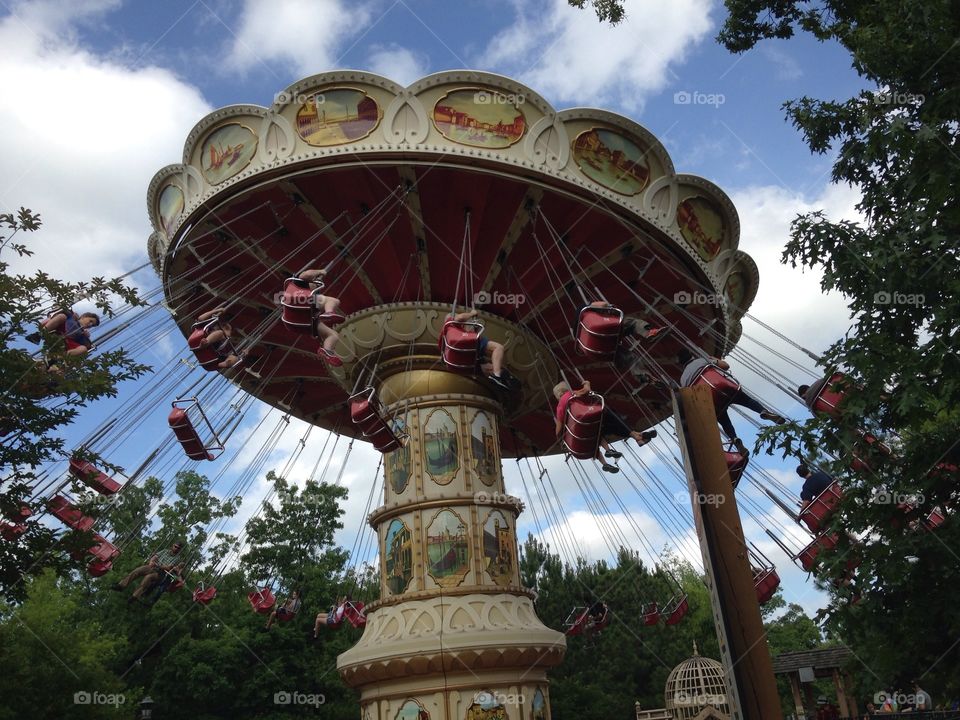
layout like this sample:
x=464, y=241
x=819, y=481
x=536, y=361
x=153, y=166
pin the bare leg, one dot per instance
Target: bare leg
x=215, y=337
x=495, y=351
x=320, y=622
x=329, y=335
x=273, y=616
x=331, y=305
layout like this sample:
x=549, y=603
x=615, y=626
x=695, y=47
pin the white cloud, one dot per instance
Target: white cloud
x=303, y=36
x=82, y=138
x=567, y=55
x=398, y=63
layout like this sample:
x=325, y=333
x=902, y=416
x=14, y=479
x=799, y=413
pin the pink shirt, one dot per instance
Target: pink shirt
x=562, y=405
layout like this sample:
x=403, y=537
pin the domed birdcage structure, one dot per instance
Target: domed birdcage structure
x=696, y=689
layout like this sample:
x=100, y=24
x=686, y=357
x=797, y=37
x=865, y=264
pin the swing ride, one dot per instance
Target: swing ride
x=481, y=252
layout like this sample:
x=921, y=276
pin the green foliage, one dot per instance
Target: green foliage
x=611, y=11
x=37, y=402
x=899, y=269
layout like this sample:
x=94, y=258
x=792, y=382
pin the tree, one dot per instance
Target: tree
x=898, y=267
x=37, y=402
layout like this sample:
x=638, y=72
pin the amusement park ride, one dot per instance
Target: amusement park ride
x=483, y=246
x=463, y=191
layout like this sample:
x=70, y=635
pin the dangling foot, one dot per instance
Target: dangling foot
x=777, y=419
x=610, y=468
x=741, y=448
x=615, y=454
x=118, y=587
x=657, y=331
x=331, y=318
x=648, y=435
x=329, y=357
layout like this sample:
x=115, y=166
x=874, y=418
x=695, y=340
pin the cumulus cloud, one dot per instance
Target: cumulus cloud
x=302, y=36
x=82, y=138
x=398, y=63
x=568, y=56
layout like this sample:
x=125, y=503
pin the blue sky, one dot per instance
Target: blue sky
x=102, y=95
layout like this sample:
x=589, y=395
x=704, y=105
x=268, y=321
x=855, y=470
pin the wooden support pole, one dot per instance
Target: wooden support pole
x=797, y=695
x=737, y=612
x=844, y=708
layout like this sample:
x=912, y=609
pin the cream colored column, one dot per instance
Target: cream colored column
x=454, y=635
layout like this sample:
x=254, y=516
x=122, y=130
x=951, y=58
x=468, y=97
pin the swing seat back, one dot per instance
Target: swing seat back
x=459, y=344
x=87, y=473
x=262, y=601
x=934, y=520
x=828, y=399
x=11, y=531
x=766, y=581
x=676, y=610
x=598, y=331
x=736, y=463
x=103, y=550
x=298, y=307
x=651, y=614
x=576, y=621
x=207, y=356
x=600, y=624
x=204, y=595
x=353, y=613
x=723, y=386
x=99, y=568
x=581, y=427
x=69, y=514
x=184, y=428
x=817, y=513
x=369, y=416
x=808, y=556
x=177, y=584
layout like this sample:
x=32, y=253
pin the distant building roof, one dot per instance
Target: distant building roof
x=819, y=659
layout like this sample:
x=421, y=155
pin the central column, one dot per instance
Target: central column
x=454, y=636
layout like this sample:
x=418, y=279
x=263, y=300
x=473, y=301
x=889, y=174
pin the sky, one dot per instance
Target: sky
x=101, y=94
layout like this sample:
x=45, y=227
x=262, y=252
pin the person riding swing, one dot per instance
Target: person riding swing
x=287, y=611
x=328, y=313
x=163, y=561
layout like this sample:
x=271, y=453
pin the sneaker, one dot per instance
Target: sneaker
x=610, y=468
x=34, y=338
x=331, y=318
x=117, y=586
x=654, y=332
x=615, y=454
x=331, y=358
x=500, y=380
x=741, y=448
x=648, y=435
x=778, y=419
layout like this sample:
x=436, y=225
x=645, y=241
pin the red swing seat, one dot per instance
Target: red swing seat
x=598, y=331
x=576, y=621
x=766, y=581
x=99, y=568
x=934, y=520
x=21, y=513
x=828, y=399
x=354, y=613
x=460, y=343
x=204, y=595
x=262, y=601
x=208, y=356
x=676, y=610
x=299, y=307
x=867, y=440
x=736, y=462
x=651, y=615
x=723, y=386
x=87, y=473
x=186, y=432
x=69, y=514
x=581, y=426
x=808, y=556
x=816, y=514
x=11, y=531
x=369, y=416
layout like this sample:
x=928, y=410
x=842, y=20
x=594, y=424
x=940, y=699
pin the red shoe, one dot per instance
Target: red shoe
x=328, y=357
x=331, y=318
x=653, y=332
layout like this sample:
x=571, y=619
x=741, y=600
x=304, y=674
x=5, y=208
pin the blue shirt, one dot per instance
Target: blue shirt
x=814, y=484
